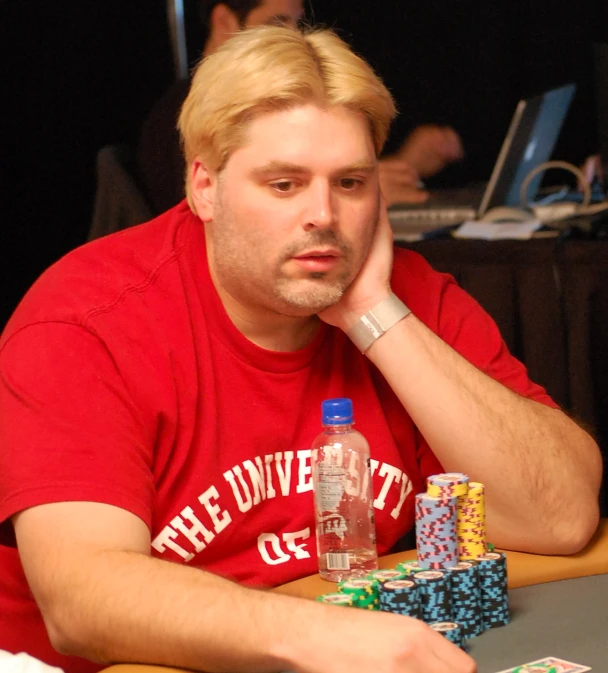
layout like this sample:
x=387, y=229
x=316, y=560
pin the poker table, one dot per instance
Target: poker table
x=559, y=608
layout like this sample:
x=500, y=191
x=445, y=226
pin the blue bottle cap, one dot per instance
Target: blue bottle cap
x=338, y=411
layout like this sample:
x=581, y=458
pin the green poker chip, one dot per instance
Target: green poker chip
x=336, y=598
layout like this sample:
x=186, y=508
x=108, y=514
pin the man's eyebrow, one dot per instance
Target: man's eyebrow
x=282, y=167
x=278, y=167
x=359, y=167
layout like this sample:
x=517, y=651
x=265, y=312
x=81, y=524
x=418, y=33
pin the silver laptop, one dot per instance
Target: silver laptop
x=532, y=134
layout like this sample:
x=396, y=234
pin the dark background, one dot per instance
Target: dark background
x=80, y=74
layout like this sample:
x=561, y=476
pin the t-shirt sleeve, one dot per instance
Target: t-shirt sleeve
x=69, y=430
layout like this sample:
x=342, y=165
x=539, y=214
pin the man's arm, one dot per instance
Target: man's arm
x=542, y=471
x=104, y=598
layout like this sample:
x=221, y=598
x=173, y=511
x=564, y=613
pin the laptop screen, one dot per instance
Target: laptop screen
x=529, y=142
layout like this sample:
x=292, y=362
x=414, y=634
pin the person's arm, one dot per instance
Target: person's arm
x=103, y=597
x=542, y=472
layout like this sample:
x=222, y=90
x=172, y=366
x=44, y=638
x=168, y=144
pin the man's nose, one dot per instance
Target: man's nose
x=321, y=211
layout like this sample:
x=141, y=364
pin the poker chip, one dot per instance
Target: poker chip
x=401, y=597
x=435, y=596
x=471, y=523
x=383, y=576
x=451, y=630
x=364, y=593
x=436, y=541
x=448, y=485
x=466, y=598
x=336, y=598
x=409, y=567
x=492, y=569
x=535, y=668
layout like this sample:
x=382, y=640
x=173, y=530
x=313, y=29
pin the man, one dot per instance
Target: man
x=160, y=164
x=160, y=390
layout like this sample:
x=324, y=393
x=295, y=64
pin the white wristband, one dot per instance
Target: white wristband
x=373, y=324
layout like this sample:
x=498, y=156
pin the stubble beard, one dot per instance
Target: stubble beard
x=317, y=290
x=282, y=293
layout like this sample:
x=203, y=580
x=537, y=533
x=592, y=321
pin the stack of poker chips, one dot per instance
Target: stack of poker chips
x=455, y=585
x=466, y=598
x=401, y=597
x=493, y=583
x=435, y=596
x=436, y=539
x=363, y=592
x=439, y=532
x=472, y=523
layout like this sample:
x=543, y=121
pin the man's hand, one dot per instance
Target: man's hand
x=372, y=283
x=381, y=642
x=430, y=148
x=400, y=182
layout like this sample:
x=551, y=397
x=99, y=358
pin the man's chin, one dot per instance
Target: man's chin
x=308, y=301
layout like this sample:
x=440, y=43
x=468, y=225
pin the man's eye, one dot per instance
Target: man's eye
x=283, y=186
x=350, y=183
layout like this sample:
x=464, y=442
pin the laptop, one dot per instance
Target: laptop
x=530, y=139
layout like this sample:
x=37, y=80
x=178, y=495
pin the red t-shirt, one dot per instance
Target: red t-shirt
x=123, y=381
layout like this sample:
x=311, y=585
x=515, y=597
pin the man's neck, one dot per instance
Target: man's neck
x=262, y=326
x=268, y=329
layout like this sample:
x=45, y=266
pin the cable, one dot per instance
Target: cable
x=541, y=168
x=554, y=212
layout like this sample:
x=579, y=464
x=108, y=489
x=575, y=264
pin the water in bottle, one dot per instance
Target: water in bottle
x=344, y=502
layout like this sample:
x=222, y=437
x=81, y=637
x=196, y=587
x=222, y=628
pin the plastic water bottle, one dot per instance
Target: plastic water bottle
x=344, y=502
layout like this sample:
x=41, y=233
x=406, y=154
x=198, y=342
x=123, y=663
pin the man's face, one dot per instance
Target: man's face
x=294, y=210
x=284, y=12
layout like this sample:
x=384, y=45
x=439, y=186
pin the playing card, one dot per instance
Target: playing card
x=561, y=665
x=548, y=665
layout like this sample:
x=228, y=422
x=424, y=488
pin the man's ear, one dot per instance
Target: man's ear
x=223, y=23
x=203, y=184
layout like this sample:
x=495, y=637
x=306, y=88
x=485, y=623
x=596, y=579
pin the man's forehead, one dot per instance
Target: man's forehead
x=291, y=135
x=276, y=11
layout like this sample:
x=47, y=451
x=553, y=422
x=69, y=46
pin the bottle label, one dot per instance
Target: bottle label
x=331, y=482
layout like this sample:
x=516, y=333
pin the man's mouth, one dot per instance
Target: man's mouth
x=318, y=260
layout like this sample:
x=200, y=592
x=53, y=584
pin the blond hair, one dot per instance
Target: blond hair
x=272, y=68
